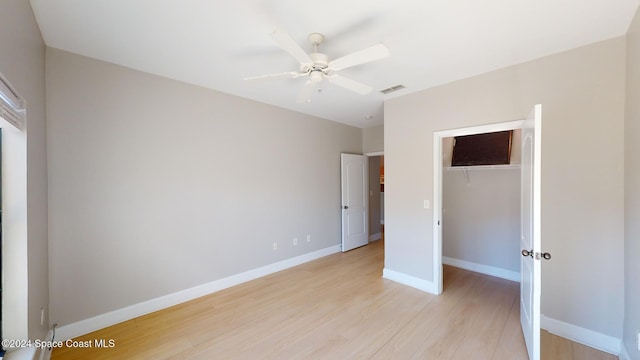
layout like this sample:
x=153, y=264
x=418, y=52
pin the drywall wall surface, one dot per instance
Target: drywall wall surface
x=22, y=63
x=582, y=97
x=632, y=192
x=481, y=217
x=158, y=186
x=373, y=139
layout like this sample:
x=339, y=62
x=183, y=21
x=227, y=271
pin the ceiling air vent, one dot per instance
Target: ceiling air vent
x=392, y=89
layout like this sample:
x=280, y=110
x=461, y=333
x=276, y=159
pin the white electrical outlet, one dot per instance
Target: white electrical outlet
x=295, y=241
x=275, y=246
x=308, y=238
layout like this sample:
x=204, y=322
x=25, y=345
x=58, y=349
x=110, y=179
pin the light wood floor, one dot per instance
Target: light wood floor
x=337, y=307
x=555, y=347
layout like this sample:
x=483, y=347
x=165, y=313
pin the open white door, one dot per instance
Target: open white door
x=355, y=188
x=530, y=242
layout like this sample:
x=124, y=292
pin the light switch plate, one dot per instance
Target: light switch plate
x=426, y=204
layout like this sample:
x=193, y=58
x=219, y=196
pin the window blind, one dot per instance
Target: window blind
x=12, y=106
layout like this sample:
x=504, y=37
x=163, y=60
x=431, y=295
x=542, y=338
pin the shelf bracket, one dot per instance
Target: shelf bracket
x=466, y=176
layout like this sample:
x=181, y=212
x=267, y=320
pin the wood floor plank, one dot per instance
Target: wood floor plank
x=510, y=346
x=431, y=319
x=481, y=337
x=555, y=347
x=460, y=327
x=337, y=307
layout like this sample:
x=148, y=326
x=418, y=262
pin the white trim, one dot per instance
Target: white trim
x=437, y=185
x=376, y=236
x=420, y=284
x=15, y=282
x=375, y=153
x=596, y=340
x=437, y=212
x=28, y=353
x=482, y=269
x=86, y=326
x=480, y=129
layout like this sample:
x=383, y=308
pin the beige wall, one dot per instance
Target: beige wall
x=373, y=139
x=632, y=191
x=157, y=186
x=481, y=219
x=582, y=93
x=22, y=63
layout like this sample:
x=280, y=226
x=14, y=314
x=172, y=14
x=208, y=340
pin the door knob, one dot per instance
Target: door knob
x=527, y=253
x=345, y=207
x=545, y=256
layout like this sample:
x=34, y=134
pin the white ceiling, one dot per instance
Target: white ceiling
x=216, y=43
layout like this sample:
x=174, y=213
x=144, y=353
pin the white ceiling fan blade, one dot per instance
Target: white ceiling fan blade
x=289, y=45
x=375, y=52
x=349, y=84
x=291, y=74
x=309, y=88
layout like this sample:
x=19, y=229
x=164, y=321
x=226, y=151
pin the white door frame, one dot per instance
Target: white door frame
x=437, y=186
x=15, y=317
x=375, y=153
x=368, y=155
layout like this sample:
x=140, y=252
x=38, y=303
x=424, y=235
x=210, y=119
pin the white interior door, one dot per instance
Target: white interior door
x=355, y=187
x=530, y=242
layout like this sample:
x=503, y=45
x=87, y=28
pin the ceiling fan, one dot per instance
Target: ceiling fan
x=317, y=66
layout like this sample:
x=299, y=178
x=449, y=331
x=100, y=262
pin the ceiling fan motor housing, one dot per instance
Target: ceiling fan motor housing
x=320, y=63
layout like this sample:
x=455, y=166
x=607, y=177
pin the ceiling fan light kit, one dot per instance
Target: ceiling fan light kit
x=317, y=66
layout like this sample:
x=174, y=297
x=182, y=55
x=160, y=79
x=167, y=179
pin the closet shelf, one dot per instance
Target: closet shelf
x=481, y=167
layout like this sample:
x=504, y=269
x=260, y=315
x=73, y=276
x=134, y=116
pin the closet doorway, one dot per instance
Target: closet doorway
x=376, y=197
x=466, y=177
x=481, y=203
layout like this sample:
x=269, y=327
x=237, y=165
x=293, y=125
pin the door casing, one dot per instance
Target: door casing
x=437, y=186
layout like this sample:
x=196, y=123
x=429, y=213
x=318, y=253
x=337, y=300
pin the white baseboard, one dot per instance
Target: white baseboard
x=86, y=326
x=596, y=340
x=32, y=352
x=409, y=280
x=375, y=237
x=482, y=269
x=21, y=354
